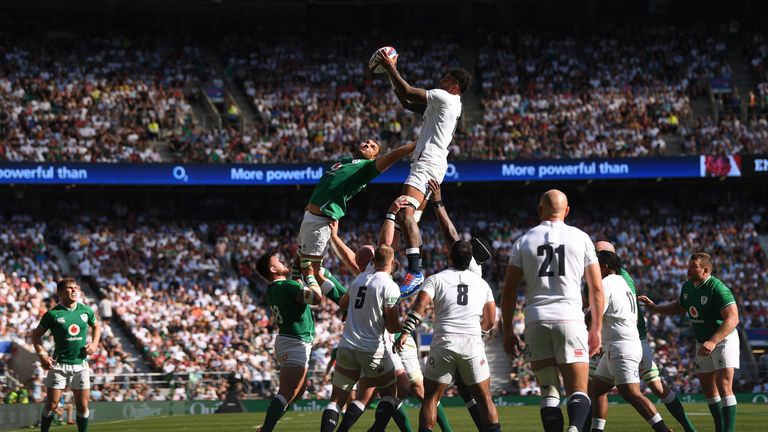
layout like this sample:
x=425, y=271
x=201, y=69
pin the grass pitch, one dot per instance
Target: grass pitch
x=620, y=418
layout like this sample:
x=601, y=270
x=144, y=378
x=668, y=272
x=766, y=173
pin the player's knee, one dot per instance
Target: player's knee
x=549, y=382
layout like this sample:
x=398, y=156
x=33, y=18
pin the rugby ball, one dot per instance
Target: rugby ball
x=377, y=68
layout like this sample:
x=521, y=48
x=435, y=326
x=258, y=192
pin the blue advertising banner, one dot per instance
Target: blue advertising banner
x=301, y=174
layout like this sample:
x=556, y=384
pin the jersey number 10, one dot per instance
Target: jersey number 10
x=548, y=252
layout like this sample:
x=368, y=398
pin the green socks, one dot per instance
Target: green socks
x=729, y=413
x=400, y=416
x=716, y=408
x=82, y=423
x=442, y=419
x=45, y=422
x=678, y=412
x=274, y=412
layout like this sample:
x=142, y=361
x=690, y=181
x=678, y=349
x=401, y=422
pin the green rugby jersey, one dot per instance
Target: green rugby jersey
x=641, y=329
x=703, y=304
x=294, y=318
x=70, y=332
x=340, y=182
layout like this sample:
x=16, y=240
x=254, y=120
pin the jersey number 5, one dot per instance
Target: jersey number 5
x=548, y=252
x=360, y=299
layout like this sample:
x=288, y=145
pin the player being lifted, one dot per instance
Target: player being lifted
x=340, y=182
x=289, y=302
x=712, y=310
x=372, y=309
x=463, y=307
x=441, y=109
x=552, y=258
x=649, y=372
x=620, y=362
x=68, y=368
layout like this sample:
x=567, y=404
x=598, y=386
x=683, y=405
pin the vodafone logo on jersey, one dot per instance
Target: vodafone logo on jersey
x=693, y=312
x=73, y=330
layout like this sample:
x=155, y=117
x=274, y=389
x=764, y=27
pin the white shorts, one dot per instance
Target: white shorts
x=62, y=376
x=421, y=172
x=649, y=371
x=314, y=234
x=620, y=363
x=593, y=362
x=292, y=352
x=370, y=365
x=565, y=341
x=410, y=358
x=725, y=355
x=462, y=354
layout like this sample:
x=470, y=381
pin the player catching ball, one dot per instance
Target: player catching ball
x=441, y=109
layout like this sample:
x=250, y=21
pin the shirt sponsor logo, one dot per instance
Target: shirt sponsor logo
x=336, y=166
x=704, y=300
x=60, y=320
x=693, y=312
x=74, y=330
x=84, y=317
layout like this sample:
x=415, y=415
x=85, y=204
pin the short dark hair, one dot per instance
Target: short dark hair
x=610, y=259
x=704, y=259
x=461, y=255
x=61, y=285
x=462, y=77
x=262, y=264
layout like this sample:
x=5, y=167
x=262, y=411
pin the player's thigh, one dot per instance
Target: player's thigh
x=417, y=182
x=624, y=362
x=314, y=235
x=726, y=353
x=52, y=397
x=57, y=378
x=441, y=365
x=649, y=371
x=538, y=342
x=410, y=358
x=80, y=377
x=292, y=352
x=291, y=380
x=81, y=397
x=569, y=341
x=473, y=365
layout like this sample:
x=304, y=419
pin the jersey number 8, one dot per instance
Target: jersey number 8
x=462, y=298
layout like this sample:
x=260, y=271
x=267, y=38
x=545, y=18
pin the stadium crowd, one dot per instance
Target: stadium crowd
x=617, y=93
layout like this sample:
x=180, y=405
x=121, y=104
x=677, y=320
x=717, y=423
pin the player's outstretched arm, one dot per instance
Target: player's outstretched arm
x=388, y=235
x=409, y=105
x=388, y=159
x=670, y=308
x=308, y=295
x=449, y=232
x=345, y=254
x=596, y=306
x=512, y=280
x=411, y=94
x=413, y=318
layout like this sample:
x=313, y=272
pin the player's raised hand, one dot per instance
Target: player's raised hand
x=434, y=186
x=384, y=60
x=334, y=228
x=398, y=203
x=512, y=344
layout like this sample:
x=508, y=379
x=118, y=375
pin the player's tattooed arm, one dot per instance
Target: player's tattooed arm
x=309, y=295
x=414, y=107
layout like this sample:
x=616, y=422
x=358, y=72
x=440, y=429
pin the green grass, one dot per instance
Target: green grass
x=621, y=417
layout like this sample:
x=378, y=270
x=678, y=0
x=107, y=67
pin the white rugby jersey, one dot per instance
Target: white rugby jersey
x=440, y=120
x=553, y=256
x=458, y=298
x=368, y=295
x=620, y=313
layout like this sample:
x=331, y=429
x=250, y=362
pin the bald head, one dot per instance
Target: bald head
x=363, y=256
x=553, y=205
x=603, y=245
